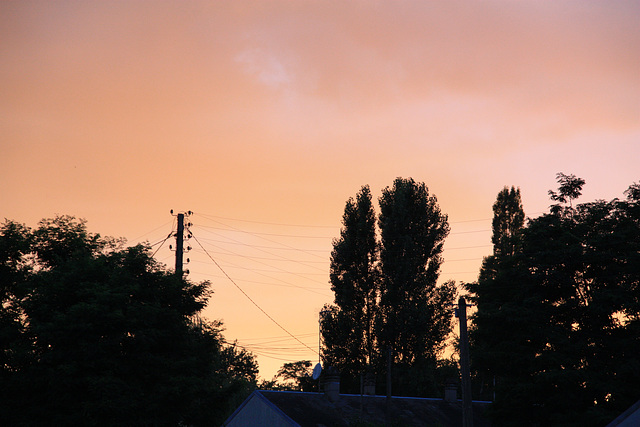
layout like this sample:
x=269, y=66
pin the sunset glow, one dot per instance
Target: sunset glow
x=263, y=118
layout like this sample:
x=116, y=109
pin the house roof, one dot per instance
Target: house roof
x=315, y=409
x=630, y=417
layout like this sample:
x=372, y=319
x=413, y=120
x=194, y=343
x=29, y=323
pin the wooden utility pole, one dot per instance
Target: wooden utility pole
x=179, y=244
x=467, y=410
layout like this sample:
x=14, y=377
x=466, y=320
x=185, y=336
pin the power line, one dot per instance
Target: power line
x=165, y=239
x=468, y=247
x=279, y=256
x=269, y=240
x=470, y=232
x=284, y=284
x=259, y=353
x=280, y=224
x=298, y=236
x=155, y=229
x=249, y=298
x=306, y=263
x=235, y=242
x=257, y=233
x=266, y=223
x=279, y=337
x=249, y=257
x=279, y=270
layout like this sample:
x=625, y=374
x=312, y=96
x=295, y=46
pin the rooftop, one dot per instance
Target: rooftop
x=315, y=410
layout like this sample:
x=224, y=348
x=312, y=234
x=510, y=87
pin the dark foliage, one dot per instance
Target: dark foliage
x=385, y=291
x=95, y=333
x=348, y=325
x=293, y=376
x=558, y=321
x=415, y=318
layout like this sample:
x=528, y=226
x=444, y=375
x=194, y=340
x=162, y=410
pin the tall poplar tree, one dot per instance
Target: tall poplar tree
x=347, y=325
x=415, y=317
x=508, y=221
x=495, y=294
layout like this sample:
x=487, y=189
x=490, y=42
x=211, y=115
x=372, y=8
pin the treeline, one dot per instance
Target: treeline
x=96, y=333
x=555, y=338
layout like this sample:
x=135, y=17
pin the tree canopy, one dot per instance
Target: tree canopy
x=292, y=376
x=414, y=319
x=558, y=320
x=508, y=221
x=96, y=333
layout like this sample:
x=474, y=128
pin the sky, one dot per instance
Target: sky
x=264, y=117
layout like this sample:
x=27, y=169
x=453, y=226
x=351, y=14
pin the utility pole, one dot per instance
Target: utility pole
x=179, y=244
x=467, y=410
x=180, y=238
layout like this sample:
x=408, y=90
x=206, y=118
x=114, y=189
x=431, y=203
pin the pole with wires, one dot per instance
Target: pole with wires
x=180, y=238
x=179, y=244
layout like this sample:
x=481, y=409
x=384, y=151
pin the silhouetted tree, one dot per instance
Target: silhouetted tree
x=385, y=290
x=497, y=288
x=415, y=314
x=101, y=334
x=570, y=189
x=348, y=324
x=295, y=376
x=558, y=324
x=508, y=221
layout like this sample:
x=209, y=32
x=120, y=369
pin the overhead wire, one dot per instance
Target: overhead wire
x=250, y=257
x=266, y=349
x=262, y=273
x=165, y=239
x=266, y=223
x=318, y=291
x=213, y=217
x=250, y=299
x=276, y=257
x=279, y=256
x=259, y=353
x=258, y=233
x=268, y=240
x=156, y=229
x=235, y=242
x=270, y=348
x=305, y=263
x=268, y=247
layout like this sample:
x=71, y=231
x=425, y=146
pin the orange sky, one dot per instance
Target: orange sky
x=257, y=113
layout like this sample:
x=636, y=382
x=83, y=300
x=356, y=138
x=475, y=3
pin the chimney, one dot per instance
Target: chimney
x=451, y=390
x=332, y=383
